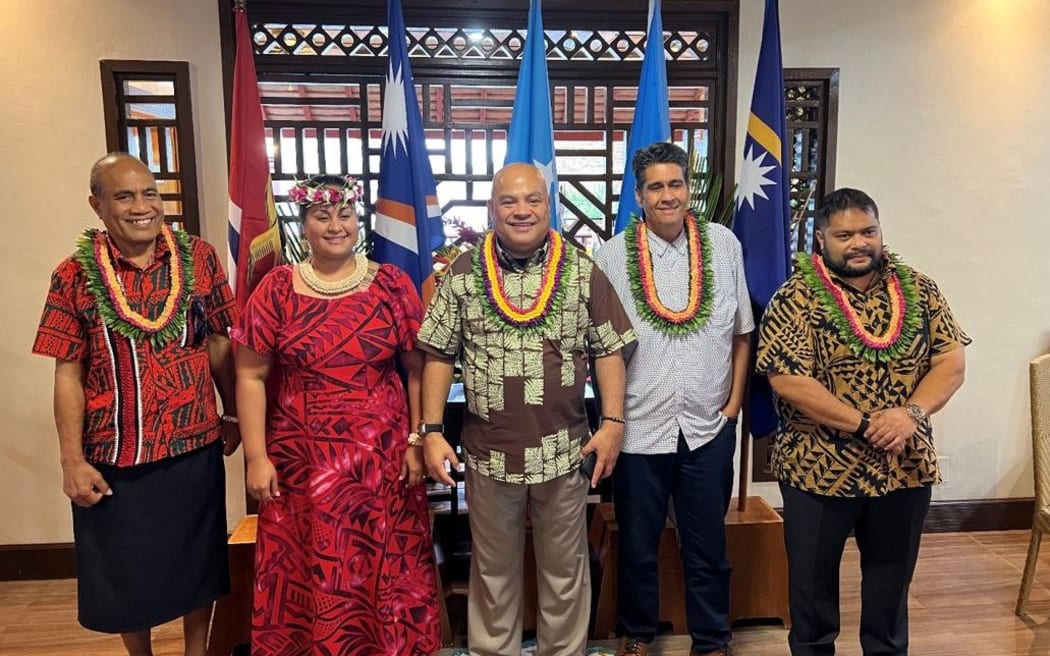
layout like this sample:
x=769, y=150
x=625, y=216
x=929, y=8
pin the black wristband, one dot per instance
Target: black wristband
x=425, y=428
x=864, y=421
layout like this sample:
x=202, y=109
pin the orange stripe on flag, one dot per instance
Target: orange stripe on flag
x=765, y=136
x=429, y=288
x=395, y=210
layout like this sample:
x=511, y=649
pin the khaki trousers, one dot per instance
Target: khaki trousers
x=495, y=599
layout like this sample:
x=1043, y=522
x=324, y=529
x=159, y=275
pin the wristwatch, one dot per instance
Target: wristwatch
x=865, y=420
x=915, y=412
x=425, y=428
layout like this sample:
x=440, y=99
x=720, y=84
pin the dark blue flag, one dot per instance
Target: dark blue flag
x=408, y=224
x=762, y=218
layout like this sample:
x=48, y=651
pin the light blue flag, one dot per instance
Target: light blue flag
x=762, y=219
x=408, y=225
x=651, y=120
x=531, y=136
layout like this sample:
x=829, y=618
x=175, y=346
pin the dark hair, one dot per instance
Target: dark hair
x=841, y=200
x=660, y=152
x=103, y=163
x=321, y=180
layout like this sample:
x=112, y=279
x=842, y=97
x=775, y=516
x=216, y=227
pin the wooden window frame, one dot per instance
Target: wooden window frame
x=113, y=71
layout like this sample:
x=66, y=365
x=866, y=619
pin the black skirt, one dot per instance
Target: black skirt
x=156, y=548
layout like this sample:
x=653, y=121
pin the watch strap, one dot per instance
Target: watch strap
x=425, y=428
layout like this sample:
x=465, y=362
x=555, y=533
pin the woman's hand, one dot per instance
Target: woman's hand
x=412, y=468
x=261, y=480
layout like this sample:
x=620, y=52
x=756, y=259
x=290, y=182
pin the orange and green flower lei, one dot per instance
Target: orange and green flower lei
x=643, y=285
x=104, y=284
x=905, y=312
x=535, y=318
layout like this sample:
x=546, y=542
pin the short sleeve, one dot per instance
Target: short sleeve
x=945, y=332
x=264, y=313
x=744, y=321
x=610, y=328
x=441, y=332
x=403, y=301
x=219, y=304
x=785, y=339
x=61, y=333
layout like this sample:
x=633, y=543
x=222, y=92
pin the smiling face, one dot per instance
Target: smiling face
x=520, y=209
x=664, y=198
x=331, y=231
x=126, y=199
x=852, y=243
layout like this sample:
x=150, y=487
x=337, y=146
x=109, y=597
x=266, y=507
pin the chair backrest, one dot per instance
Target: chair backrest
x=1039, y=378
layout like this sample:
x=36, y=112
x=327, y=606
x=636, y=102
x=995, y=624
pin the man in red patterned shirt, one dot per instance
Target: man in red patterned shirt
x=137, y=321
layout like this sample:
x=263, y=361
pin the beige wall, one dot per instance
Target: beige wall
x=942, y=118
x=52, y=129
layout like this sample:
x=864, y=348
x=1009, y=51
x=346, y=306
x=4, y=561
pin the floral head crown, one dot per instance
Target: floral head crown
x=325, y=193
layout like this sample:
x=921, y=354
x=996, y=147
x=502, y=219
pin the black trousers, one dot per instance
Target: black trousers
x=887, y=530
x=700, y=482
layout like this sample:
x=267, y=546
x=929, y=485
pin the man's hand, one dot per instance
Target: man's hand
x=412, y=467
x=606, y=442
x=231, y=437
x=890, y=430
x=83, y=484
x=437, y=452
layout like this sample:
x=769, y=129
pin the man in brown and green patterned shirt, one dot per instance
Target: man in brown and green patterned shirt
x=860, y=349
x=522, y=312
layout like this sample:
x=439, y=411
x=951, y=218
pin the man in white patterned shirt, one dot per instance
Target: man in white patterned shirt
x=682, y=284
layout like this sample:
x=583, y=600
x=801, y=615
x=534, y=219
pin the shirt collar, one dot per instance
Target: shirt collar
x=659, y=247
x=513, y=264
x=160, y=252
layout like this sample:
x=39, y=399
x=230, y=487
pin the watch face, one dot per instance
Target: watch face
x=915, y=412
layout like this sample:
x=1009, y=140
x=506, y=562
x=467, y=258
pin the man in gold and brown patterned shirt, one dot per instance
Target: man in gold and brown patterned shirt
x=860, y=349
x=521, y=313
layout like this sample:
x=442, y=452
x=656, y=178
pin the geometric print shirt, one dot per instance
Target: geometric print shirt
x=525, y=419
x=798, y=337
x=680, y=383
x=142, y=404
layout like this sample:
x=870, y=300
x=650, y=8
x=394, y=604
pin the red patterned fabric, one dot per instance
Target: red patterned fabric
x=344, y=560
x=143, y=404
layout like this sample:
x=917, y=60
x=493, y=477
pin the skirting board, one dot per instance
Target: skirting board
x=24, y=562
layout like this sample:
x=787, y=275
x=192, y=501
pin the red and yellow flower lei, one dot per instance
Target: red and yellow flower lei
x=489, y=277
x=904, y=309
x=643, y=285
x=103, y=282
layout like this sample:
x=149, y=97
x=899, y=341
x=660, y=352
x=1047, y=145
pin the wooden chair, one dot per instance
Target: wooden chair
x=1039, y=381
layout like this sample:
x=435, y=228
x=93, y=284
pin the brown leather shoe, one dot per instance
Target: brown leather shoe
x=632, y=647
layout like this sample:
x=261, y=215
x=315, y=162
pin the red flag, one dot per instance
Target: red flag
x=254, y=235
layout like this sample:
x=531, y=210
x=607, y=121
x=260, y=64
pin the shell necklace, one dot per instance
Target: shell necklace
x=335, y=287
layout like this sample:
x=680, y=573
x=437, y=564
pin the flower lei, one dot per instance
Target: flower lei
x=905, y=313
x=304, y=193
x=643, y=285
x=535, y=318
x=103, y=283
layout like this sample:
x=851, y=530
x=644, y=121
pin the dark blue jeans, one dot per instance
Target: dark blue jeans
x=700, y=482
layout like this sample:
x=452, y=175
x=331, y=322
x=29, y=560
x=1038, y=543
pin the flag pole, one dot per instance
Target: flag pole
x=745, y=446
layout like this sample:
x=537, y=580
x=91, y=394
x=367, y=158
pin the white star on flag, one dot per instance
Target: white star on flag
x=753, y=178
x=546, y=169
x=395, y=122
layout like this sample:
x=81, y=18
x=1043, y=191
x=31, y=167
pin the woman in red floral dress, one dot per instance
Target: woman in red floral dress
x=344, y=560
